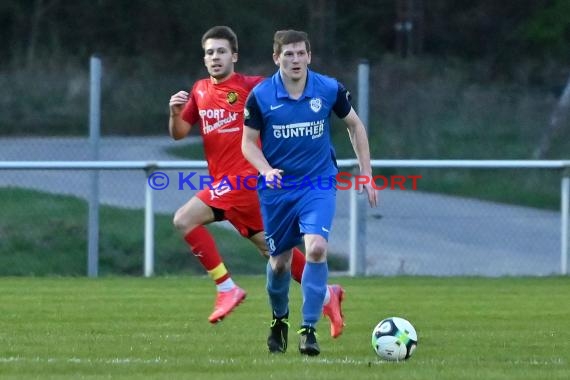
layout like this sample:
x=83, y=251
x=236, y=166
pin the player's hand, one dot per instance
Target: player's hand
x=372, y=194
x=369, y=189
x=177, y=102
x=273, y=178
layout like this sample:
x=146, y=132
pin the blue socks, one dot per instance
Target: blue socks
x=314, y=286
x=278, y=290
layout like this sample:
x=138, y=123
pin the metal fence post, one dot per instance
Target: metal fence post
x=358, y=231
x=355, y=254
x=565, y=220
x=148, y=228
x=94, y=137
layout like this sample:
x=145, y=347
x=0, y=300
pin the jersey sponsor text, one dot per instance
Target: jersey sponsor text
x=223, y=118
x=315, y=129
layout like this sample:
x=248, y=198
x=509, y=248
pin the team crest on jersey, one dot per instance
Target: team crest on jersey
x=316, y=104
x=232, y=97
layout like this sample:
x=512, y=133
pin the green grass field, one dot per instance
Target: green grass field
x=469, y=328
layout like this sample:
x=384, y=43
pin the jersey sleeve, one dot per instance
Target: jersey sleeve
x=252, y=113
x=342, y=104
x=190, y=111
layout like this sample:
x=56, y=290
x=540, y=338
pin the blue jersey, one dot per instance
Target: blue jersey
x=295, y=133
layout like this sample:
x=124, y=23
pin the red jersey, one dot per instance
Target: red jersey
x=219, y=109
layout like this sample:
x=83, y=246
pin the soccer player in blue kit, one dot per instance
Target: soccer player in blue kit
x=290, y=112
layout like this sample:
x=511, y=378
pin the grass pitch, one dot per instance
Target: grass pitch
x=469, y=328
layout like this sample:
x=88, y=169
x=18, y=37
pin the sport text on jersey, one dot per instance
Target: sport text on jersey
x=315, y=129
x=214, y=119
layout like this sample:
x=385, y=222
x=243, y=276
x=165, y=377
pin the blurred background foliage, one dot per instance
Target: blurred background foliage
x=449, y=78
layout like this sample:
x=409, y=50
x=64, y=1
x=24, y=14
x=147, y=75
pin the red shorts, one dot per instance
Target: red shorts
x=239, y=203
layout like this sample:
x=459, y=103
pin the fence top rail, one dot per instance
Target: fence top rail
x=345, y=163
x=103, y=165
x=474, y=164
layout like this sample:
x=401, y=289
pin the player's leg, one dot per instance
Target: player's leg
x=281, y=235
x=247, y=220
x=334, y=294
x=278, y=280
x=190, y=220
x=314, y=288
x=316, y=212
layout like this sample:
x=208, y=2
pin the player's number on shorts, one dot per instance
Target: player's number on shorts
x=220, y=189
x=271, y=244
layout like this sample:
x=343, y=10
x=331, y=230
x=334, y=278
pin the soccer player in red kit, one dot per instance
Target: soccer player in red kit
x=217, y=104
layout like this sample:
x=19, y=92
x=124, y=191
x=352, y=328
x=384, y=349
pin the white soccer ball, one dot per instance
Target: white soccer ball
x=394, y=339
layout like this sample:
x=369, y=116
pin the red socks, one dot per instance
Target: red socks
x=297, y=264
x=203, y=246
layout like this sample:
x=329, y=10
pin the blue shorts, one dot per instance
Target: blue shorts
x=289, y=215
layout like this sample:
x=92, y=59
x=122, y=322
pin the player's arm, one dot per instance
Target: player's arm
x=251, y=150
x=250, y=143
x=359, y=140
x=177, y=126
x=357, y=133
x=252, y=153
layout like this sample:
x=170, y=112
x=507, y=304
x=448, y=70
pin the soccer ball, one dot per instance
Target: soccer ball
x=394, y=339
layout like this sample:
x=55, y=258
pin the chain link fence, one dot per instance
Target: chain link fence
x=411, y=232
x=429, y=231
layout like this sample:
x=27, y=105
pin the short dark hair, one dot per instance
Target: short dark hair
x=222, y=32
x=290, y=36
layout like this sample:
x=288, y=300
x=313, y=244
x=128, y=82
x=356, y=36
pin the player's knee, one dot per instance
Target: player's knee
x=182, y=222
x=177, y=221
x=317, y=251
x=279, y=267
